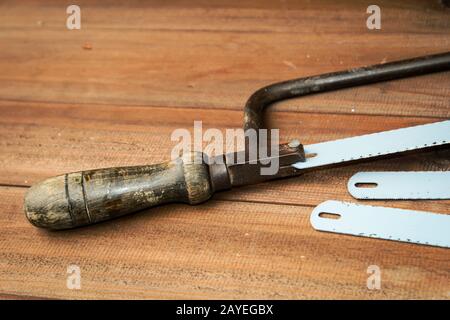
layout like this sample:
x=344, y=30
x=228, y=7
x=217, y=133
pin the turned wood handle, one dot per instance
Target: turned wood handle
x=86, y=197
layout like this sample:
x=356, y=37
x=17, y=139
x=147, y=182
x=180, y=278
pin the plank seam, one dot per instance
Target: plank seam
x=226, y=109
x=249, y=31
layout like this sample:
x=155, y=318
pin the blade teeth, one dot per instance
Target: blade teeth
x=436, y=133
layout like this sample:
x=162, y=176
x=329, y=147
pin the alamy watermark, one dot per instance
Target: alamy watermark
x=73, y=21
x=373, y=22
x=374, y=280
x=73, y=281
x=261, y=146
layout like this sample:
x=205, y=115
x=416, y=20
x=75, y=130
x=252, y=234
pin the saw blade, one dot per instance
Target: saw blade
x=375, y=145
x=400, y=185
x=412, y=226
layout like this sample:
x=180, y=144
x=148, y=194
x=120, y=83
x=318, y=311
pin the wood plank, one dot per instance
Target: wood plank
x=156, y=66
x=31, y=134
x=195, y=54
x=221, y=250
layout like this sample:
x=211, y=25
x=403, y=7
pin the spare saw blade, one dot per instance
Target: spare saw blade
x=381, y=222
x=375, y=145
x=400, y=185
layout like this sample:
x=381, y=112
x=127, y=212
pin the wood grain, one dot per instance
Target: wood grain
x=201, y=55
x=221, y=249
x=111, y=94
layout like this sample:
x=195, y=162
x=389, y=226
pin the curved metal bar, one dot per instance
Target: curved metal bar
x=253, y=111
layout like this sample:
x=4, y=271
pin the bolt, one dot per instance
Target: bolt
x=294, y=143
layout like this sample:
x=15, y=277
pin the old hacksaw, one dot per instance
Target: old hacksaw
x=86, y=197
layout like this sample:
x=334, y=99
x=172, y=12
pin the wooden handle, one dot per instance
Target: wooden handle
x=87, y=197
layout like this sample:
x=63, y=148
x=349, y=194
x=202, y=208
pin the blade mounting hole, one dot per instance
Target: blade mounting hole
x=366, y=185
x=328, y=215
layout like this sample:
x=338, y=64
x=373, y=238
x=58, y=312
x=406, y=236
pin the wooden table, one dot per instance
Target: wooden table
x=111, y=93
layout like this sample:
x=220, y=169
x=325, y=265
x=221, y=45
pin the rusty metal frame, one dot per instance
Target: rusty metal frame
x=262, y=98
